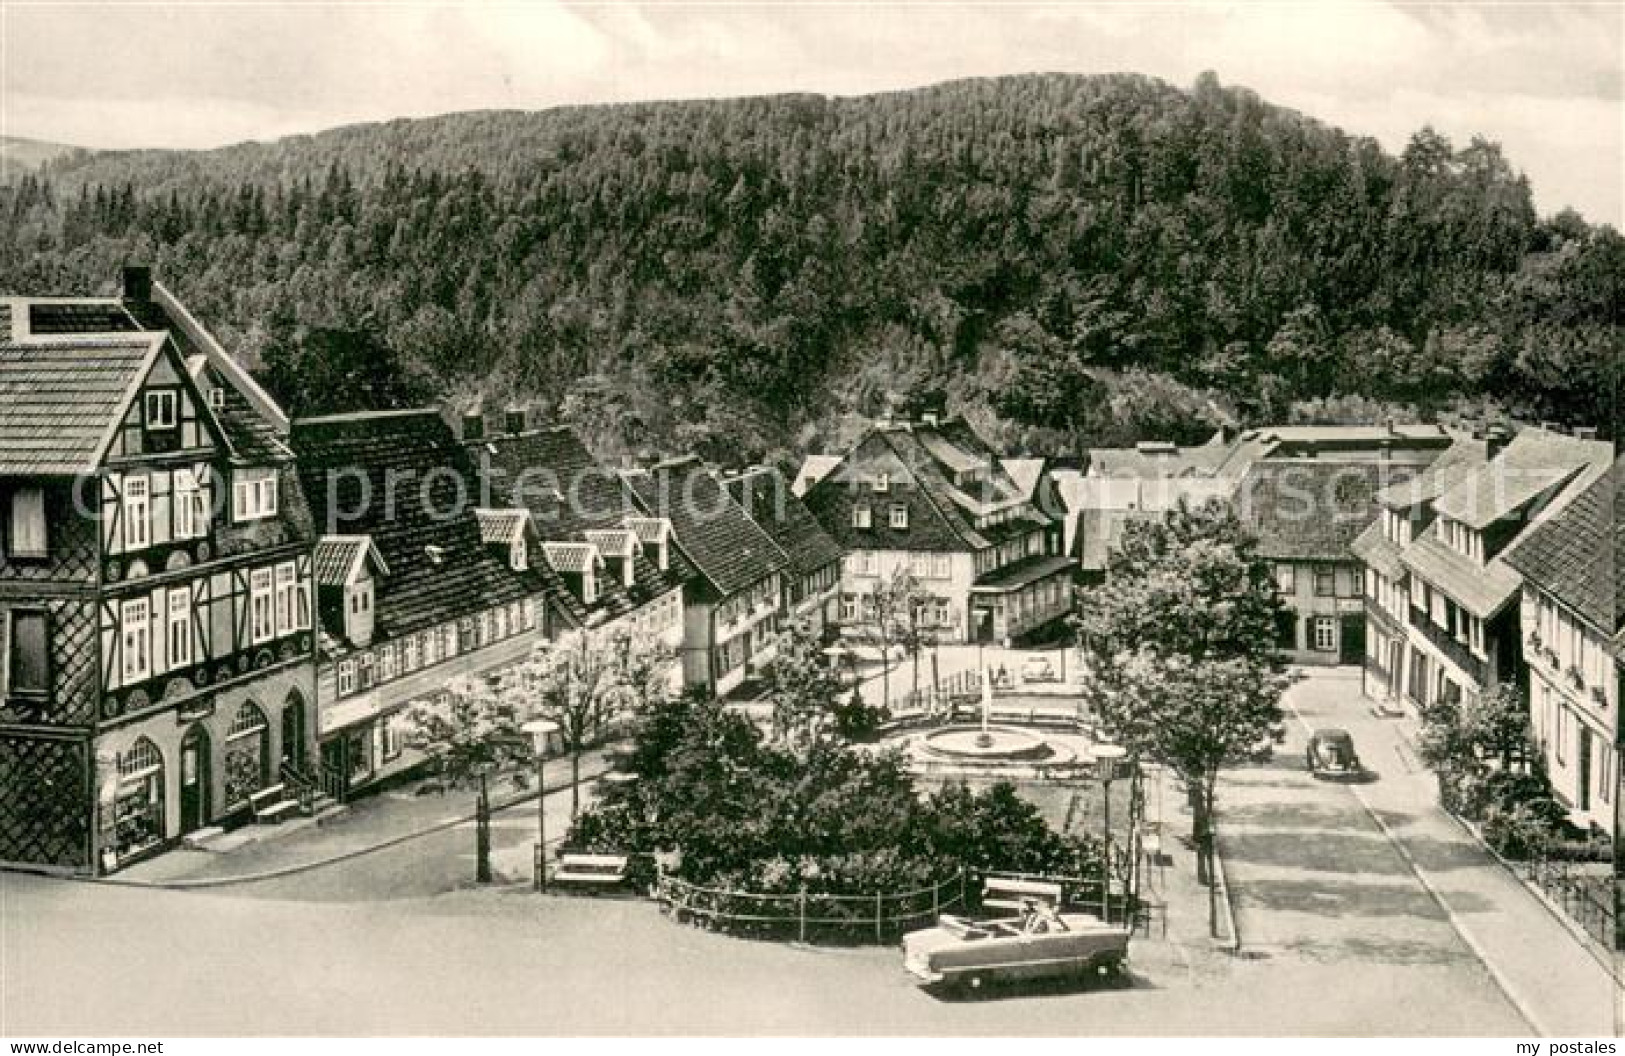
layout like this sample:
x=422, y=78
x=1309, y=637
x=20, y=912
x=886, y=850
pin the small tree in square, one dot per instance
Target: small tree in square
x=584, y=681
x=473, y=726
x=891, y=618
x=1180, y=643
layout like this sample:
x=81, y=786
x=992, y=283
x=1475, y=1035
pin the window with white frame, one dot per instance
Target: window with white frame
x=409, y=654
x=217, y=398
x=137, y=513
x=849, y=607
x=366, y=671
x=160, y=408
x=1325, y=581
x=179, y=637
x=521, y=559
x=26, y=535
x=899, y=516
x=882, y=482
x=253, y=494
x=862, y=517
x=346, y=677
x=262, y=614
x=1286, y=580
x=1324, y=634
x=186, y=503
x=287, y=609
x=388, y=658
x=135, y=640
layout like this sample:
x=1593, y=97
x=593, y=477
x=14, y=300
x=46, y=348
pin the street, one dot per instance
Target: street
x=1340, y=936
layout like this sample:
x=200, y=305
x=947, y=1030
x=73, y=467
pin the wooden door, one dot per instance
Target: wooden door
x=195, y=771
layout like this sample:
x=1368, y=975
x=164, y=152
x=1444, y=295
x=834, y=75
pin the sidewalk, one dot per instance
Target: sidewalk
x=371, y=823
x=1547, y=974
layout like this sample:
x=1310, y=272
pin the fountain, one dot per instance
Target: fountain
x=987, y=747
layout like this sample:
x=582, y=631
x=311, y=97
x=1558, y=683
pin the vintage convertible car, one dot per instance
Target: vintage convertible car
x=1331, y=754
x=968, y=955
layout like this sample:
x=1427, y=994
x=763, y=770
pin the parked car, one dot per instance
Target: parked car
x=1331, y=754
x=969, y=955
x=1038, y=669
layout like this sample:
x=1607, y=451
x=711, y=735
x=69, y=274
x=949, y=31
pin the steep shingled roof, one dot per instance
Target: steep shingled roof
x=730, y=550
x=1312, y=509
x=1534, y=462
x=1575, y=555
x=767, y=497
x=62, y=398
x=403, y=479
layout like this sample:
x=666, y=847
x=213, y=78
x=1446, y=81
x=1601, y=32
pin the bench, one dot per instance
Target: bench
x=1004, y=893
x=597, y=871
x=272, y=805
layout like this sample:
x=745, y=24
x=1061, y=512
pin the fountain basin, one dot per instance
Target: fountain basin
x=971, y=744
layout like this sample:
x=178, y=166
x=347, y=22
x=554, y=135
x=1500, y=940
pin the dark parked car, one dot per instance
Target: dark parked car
x=1331, y=754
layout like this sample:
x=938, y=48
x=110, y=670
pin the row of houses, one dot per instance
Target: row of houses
x=1446, y=563
x=212, y=615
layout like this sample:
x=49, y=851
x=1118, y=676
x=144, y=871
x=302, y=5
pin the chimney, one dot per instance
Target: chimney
x=515, y=420
x=473, y=425
x=1496, y=437
x=137, y=282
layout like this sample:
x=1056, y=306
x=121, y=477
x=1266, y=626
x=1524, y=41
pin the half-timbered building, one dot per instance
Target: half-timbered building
x=156, y=609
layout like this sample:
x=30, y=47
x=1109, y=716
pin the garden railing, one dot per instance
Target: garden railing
x=880, y=918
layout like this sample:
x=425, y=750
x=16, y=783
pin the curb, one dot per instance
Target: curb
x=1233, y=945
x=205, y=883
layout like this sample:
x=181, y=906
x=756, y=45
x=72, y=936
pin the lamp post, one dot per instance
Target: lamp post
x=482, y=825
x=1106, y=758
x=540, y=730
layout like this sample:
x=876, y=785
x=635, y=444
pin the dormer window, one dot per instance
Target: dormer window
x=160, y=408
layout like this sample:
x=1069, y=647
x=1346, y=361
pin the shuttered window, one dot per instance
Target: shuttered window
x=26, y=537
x=27, y=653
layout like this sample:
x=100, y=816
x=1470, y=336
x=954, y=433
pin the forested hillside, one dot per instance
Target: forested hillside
x=1075, y=259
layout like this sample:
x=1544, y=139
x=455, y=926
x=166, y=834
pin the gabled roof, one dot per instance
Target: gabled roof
x=767, y=497
x=1535, y=462
x=933, y=526
x=813, y=469
x=730, y=550
x=1374, y=548
x=614, y=542
x=1575, y=555
x=352, y=466
x=502, y=527
x=338, y=559
x=63, y=399
x=574, y=558
x=1311, y=509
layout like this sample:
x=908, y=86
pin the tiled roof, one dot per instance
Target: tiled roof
x=1480, y=589
x=1311, y=509
x=614, y=542
x=933, y=527
x=767, y=497
x=649, y=529
x=355, y=462
x=61, y=399
x=1574, y=556
x=336, y=558
x=551, y=473
x=504, y=527
x=729, y=549
x=571, y=557
x=85, y=316
x=1534, y=462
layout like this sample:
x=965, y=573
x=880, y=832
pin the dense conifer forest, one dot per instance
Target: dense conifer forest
x=1074, y=259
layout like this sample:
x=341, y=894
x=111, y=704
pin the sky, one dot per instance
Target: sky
x=1544, y=79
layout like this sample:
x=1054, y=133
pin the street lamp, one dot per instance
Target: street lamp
x=1106, y=757
x=540, y=730
x=482, y=825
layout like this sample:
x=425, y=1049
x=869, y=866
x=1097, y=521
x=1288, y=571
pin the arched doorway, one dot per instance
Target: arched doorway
x=293, y=731
x=247, y=761
x=195, y=770
x=138, y=802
